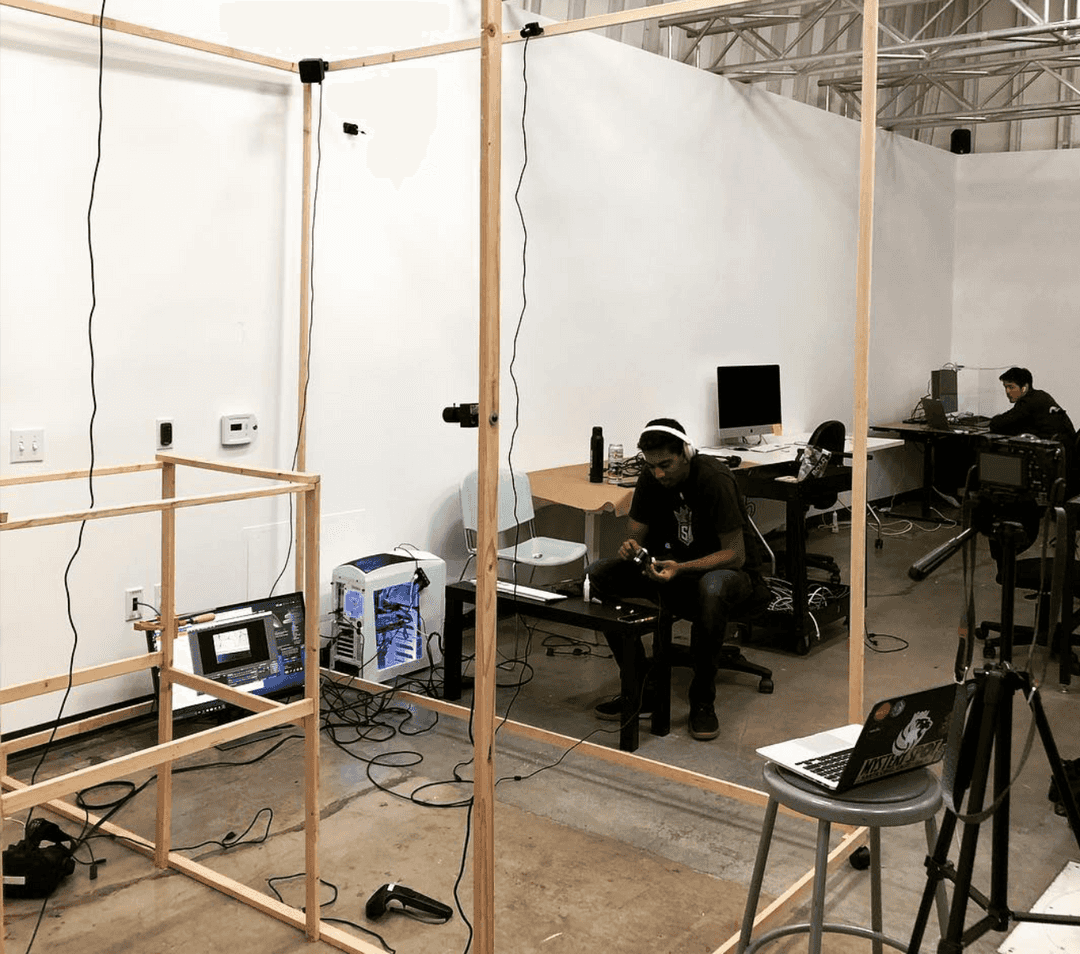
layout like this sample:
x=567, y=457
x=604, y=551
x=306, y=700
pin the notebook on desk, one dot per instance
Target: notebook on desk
x=936, y=419
x=899, y=734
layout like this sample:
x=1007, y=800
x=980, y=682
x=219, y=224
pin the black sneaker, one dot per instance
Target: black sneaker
x=703, y=722
x=611, y=711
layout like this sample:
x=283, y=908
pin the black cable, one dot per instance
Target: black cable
x=93, y=416
x=311, y=326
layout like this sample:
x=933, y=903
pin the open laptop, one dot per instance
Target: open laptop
x=936, y=419
x=899, y=734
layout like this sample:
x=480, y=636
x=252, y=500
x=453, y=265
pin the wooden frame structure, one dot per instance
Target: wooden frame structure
x=265, y=712
x=490, y=43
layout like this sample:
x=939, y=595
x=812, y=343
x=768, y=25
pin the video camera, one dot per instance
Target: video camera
x=1018, y=469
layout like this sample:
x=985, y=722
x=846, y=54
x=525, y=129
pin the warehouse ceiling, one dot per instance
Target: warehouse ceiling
x=1004, y=70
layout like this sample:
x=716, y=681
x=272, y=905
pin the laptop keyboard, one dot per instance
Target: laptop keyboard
x=829, y=766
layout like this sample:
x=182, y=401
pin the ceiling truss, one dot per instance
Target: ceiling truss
x=1004, y=67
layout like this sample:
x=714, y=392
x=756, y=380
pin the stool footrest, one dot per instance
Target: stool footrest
x=827, y=928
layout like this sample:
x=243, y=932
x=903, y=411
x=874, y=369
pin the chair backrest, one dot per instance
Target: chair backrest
x=829, y=436
x=511, y=512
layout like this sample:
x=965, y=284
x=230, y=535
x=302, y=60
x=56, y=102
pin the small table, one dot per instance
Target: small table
x=570, y=611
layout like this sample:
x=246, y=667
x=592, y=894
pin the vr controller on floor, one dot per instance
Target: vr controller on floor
x=396, y=897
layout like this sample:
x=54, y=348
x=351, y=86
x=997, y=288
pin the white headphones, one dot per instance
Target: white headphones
x=689, y=449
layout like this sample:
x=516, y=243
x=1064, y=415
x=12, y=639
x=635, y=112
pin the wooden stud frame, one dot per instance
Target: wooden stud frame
x=265, y=712
x=490, y=43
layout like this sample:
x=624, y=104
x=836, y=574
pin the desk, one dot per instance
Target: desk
x=571, y=487
x=933, y=439
x=570, y=611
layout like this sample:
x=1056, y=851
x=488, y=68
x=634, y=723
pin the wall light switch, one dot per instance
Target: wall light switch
x=27, y=445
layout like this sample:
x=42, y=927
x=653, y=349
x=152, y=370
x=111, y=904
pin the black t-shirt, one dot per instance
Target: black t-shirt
x=686, y=522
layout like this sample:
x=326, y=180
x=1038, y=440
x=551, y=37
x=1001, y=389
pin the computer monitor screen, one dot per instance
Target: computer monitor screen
x=747, y=400
x=256, y=646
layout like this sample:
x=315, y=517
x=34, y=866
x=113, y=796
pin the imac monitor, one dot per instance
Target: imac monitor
x=256, y=646
x=747, y=400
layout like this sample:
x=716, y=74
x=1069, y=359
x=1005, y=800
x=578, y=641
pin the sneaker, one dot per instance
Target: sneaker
x=703, y=722
x=611, y=711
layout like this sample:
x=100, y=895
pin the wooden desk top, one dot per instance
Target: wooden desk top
x=570, y=486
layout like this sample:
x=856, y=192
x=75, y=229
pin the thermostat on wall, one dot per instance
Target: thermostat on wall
x=238, y=429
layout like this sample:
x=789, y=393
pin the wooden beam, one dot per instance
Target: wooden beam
x=236, y=697
x=148, y=33
x=80, y=677
x=580, y=25
x=863, y=271
x=167, y=610
x=483, y=808
x=155, y=506
x=77, y=474
x=80, y=727
x=310, y=504
x=304, y=349
x=152, y=757
x=263, y=473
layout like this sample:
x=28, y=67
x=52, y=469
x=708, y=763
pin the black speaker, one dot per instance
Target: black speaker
x=960, y=142
x=312, y=71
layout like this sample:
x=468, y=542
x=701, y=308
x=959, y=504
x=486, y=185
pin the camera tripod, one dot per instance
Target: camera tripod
x=986, y=737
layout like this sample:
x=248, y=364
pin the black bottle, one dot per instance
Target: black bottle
x=596, y=456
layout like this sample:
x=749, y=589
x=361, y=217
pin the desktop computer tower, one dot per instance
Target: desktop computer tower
x=943, y=388
x=387, y=614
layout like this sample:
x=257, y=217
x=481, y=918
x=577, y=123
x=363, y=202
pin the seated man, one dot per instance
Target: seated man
x=1033, y=411
x=689, y=516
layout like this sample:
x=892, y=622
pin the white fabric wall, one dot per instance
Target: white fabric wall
x=675, y=223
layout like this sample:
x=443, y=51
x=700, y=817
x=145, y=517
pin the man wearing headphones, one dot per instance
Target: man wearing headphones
x=1033, y=411
x=689, y=518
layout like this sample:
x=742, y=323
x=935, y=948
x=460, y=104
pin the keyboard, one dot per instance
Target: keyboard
x=528, y=592
x=829, y=766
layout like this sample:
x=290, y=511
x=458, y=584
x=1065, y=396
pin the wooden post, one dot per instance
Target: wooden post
x=863, y=272
x=309, y=503
x=167, y=616
x=488, y=479
x=300, y=463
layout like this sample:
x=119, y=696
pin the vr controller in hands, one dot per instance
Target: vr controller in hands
x=643, y=559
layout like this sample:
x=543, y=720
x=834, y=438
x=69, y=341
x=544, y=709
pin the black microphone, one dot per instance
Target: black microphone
x=922, y=568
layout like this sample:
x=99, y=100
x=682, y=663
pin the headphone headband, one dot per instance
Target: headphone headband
x=673, y=432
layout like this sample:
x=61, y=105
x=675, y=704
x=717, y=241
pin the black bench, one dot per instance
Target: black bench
x=571, y=611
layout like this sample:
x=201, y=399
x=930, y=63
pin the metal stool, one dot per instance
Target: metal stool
x=901, y=800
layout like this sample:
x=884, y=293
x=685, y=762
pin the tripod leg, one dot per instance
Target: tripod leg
x=986, y=728
x=1068, y=799
x=934, y=864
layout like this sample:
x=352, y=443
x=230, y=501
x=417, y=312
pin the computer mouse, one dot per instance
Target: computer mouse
x=733, y=461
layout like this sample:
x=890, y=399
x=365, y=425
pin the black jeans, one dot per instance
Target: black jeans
x=704, y=598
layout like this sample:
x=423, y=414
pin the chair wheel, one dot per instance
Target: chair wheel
x=860, y=858
x=766, y=686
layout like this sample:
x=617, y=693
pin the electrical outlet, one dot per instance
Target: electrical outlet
x=27, y=444
x=132, y=598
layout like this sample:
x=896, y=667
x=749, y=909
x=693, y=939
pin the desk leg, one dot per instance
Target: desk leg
x=796, y=567
x=661, y=719
x=592, y=552
x=452, y=649
x=929, y=450
x=629, y=692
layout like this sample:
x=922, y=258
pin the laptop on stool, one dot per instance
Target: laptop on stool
x=900, y=734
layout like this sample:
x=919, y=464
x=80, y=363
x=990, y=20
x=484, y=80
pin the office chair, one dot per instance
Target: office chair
x=516, y=525
x=829, y=436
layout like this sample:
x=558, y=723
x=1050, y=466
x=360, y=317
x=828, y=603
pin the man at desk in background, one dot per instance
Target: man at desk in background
x=689, y=516
x=1033, y=411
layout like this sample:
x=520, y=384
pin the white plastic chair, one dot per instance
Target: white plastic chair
x=530, y=550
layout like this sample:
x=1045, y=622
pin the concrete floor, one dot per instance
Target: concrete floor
x=590, y=857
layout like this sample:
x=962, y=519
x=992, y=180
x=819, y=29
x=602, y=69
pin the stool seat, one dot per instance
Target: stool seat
x=904, y=799
x=901, y=800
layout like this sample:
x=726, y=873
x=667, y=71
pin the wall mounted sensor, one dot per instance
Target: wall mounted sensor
x=396, y=897
x=238, y=429
x=467, y=415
